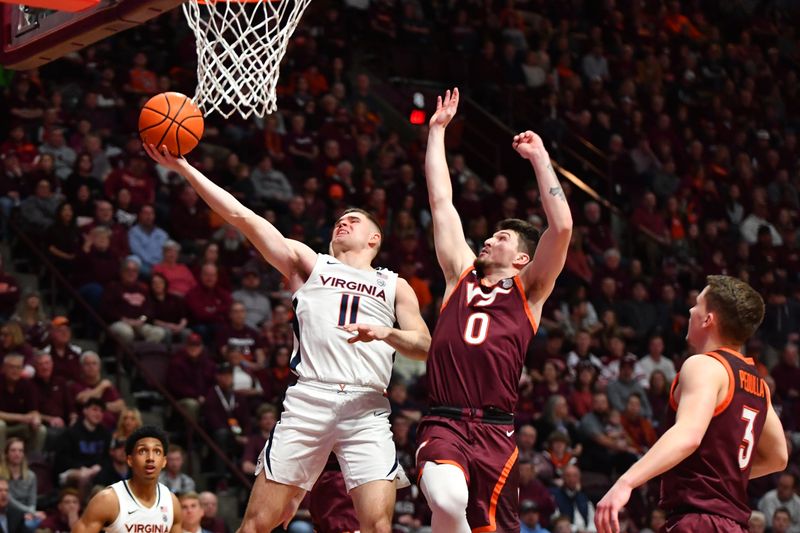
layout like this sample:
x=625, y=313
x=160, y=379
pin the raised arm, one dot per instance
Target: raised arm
x=412, y=339
x=452, y=250
x=539, y=276
x=293, y=259
x=100, y=512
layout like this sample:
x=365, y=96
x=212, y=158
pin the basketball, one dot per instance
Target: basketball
x=171, y=120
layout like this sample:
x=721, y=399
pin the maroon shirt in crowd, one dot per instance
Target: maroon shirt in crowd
x=119, y=245
x=787, y=378
x=110, y=394
x=247, y=339
x=208, y=305
x=171, y=309
x=56, y=523
x=66, y=362
x=216, y=416
x=20, y=399
x=126, y=301
x=96, y=266
x=190, y=377
x=54, y=397
x=142, y=187
x=189, y=223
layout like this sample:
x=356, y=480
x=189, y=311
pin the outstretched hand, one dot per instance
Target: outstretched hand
x=529, y=145
x=164, y=158
x=366, y=332
x=445, y=109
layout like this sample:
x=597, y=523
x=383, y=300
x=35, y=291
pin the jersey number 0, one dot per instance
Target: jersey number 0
x=477, y=328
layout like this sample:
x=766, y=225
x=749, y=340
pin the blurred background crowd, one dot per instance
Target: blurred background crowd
x=120, y=291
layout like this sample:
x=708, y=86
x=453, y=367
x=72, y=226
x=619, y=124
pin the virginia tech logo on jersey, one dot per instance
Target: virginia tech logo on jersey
x=474, y=290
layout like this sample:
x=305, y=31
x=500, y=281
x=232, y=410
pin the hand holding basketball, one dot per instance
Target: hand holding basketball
x=445, y=109
x=529, y=145
x=164, y=158
x=171, y=120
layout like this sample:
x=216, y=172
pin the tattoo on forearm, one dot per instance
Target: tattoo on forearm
x=556, y=191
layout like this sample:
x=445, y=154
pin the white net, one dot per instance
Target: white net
x=240, y=45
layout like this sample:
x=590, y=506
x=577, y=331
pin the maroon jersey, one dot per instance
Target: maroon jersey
x=479, y=344
x=331, y=508
x=713, y=480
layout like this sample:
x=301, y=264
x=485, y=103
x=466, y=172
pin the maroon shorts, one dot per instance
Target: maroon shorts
x=487, y=454
x=707, y=523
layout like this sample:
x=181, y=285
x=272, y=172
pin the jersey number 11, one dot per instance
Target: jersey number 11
x=348, y=309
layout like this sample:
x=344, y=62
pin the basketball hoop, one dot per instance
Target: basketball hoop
x=240, y=44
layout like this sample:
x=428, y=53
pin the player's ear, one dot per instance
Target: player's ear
x=129, y=461
x=375, y=238
x=521, y=260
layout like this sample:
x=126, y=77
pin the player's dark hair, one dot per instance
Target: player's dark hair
x=527, y=233
x=147, y=432
x=738, y=307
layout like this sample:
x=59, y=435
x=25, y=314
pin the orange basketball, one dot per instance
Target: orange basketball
x=171, y=120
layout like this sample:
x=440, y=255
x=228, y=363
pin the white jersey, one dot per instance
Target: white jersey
x=134, y=517
x=335, y=295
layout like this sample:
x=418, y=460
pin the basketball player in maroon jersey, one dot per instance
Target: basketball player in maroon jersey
x=466, y=454
x=723, y=431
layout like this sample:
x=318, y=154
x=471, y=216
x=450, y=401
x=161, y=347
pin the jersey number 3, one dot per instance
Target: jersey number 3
x=477, y=328
x=748, y=440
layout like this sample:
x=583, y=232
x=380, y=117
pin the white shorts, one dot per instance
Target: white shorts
x=320, y=418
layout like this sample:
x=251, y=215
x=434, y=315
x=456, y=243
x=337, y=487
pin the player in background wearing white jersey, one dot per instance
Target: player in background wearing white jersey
x=140, y=504
x=341, y=303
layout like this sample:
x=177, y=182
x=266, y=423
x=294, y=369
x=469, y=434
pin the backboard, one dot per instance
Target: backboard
x=32, y=37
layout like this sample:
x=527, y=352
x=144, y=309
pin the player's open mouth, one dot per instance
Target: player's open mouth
x=483, y=251
x=341, y=232
x=150, y=469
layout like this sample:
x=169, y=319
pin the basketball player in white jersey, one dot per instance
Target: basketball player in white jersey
x=341, y=304
x=140, y=504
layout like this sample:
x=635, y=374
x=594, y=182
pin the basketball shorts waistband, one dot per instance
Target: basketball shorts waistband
x=343, y=388
x=490, y=415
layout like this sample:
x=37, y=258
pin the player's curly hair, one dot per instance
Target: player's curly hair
x=146, y=432
x=527, y=233
x=738, y=307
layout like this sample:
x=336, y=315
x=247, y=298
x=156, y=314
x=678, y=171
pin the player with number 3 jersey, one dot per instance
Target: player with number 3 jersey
x=723, y=430
x=466, y=450
x=341, y=305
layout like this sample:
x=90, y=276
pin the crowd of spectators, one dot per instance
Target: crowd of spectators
x=696, y=119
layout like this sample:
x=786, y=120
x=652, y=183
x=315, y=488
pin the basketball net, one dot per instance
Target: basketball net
x=240, y=45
